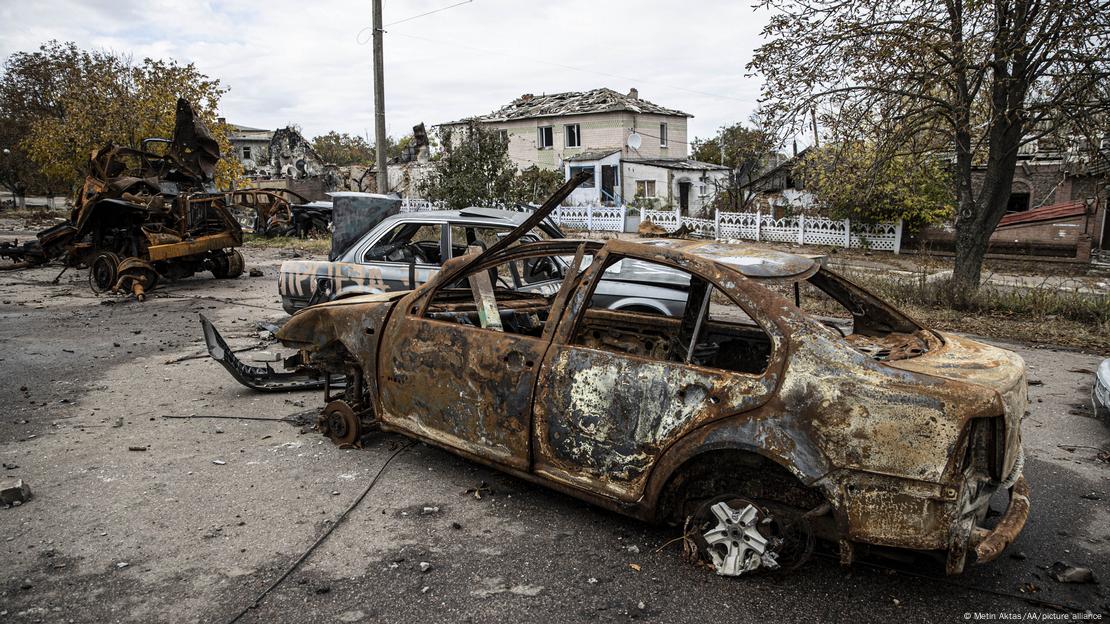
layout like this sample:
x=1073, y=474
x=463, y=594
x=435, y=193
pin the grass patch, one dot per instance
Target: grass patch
x=1037, y=314
x=318, y=245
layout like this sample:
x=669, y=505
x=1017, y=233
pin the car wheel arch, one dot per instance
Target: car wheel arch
x=685, y=459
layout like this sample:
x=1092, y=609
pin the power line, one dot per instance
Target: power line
x=560, y=65
x=401, y=21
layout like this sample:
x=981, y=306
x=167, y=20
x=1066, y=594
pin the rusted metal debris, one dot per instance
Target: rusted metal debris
x=763, y=419
x=143, y=215
x=279, y=212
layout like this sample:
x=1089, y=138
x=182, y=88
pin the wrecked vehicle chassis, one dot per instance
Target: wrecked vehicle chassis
x=903, y=453
x=756, y=424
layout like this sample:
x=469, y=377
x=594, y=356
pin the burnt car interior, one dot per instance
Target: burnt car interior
x=713, y=332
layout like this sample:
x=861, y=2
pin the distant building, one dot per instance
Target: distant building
x=637, y=150
x=282, y=159
x=250, y=146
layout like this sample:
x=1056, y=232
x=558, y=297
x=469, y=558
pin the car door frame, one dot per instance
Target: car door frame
x=412, y=274
x=408, y=322
x=720, y=400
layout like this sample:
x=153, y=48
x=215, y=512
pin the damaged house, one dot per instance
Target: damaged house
x=636, y=149
x=283, y=159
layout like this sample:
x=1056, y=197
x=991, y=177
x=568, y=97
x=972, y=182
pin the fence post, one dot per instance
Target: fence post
x=898, y=236
x=758, y=223
x=847, y=232
x=801, y=229
x=716, y=223
x=589, y=218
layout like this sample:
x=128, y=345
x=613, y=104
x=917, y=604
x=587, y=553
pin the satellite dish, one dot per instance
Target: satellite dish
x=634, y=141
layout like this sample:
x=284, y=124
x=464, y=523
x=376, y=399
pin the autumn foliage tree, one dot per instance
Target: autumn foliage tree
x=70, y=102
x=854, y=181
x=977, y=80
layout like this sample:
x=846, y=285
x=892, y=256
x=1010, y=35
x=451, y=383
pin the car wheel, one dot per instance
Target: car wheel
x=103, y=272
x=228, y=265
x=736, y=536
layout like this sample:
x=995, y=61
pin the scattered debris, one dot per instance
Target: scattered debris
x=425, y=566
x=1091, y=496
x=14, y=492
x=427, y=511
x=218, y=462
x=634, y=566
x=122, y=564
x=482, y=488
x=255, y=272
x=136, y=448
x=1064, y=573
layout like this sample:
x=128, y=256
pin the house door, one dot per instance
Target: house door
x=608, y=183
x=684, y=196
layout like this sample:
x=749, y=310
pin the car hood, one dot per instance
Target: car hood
x=1001, y=370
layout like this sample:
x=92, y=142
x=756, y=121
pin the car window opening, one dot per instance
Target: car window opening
x=712, y=331
x=865, y=322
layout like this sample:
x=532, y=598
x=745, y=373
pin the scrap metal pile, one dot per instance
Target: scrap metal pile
x=142, y=215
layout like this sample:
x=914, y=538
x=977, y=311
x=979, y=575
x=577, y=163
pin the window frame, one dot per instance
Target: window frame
x=577, y=132
x=588, y=184
x=247, y=153
x=663, y=142
x=645, y=194
x=588, y=281
x=540, y=142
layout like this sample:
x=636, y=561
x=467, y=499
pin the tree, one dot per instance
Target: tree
x=74, y=101
x=853, y=181
x=534, y=185
x=979, y=78
x=747, y=152
x=472, y=168
x=343, y=149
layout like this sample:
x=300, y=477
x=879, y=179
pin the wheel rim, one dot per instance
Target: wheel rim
x=732, y=536
x=103, y=272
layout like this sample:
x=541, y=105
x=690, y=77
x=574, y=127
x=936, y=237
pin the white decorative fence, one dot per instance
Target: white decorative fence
x=801, y=230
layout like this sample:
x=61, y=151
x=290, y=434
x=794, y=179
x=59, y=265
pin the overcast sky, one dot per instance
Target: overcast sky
x=307, y=62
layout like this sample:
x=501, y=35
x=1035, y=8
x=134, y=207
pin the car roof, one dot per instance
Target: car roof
x=750, y=260
x=491, y=216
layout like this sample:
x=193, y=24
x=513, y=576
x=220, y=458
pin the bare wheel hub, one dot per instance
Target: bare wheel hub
x=340, y=423
x=733, y=534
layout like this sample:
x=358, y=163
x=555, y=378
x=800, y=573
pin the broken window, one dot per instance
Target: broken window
x=712, y=331
x=573, y=135
x=503, y=136
x=579, y=168
x=645, y=188
x=409, y=243
x=545, y=137
x=246, y=152
x=662, y=135
x=514, y=296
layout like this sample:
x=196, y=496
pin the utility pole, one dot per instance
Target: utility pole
x=379, y=100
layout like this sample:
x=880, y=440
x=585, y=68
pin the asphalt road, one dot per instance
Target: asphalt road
x=168, y=535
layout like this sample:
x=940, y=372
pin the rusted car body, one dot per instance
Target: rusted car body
x=763, y=423
x=279, y=212
x=142, y=215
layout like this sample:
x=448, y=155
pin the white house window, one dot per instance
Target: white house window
x=545, y=137
x=573, y=133
x=246, y=152
x=574, y=169
x=662, y=135
x=645, y=188
x=503, y=136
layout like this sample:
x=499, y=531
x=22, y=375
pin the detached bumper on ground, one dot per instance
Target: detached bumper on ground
x=991, y=543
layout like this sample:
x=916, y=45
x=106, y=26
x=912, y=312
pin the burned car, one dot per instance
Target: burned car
x=755, y=419
x=143, y=214
x=280, y=212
